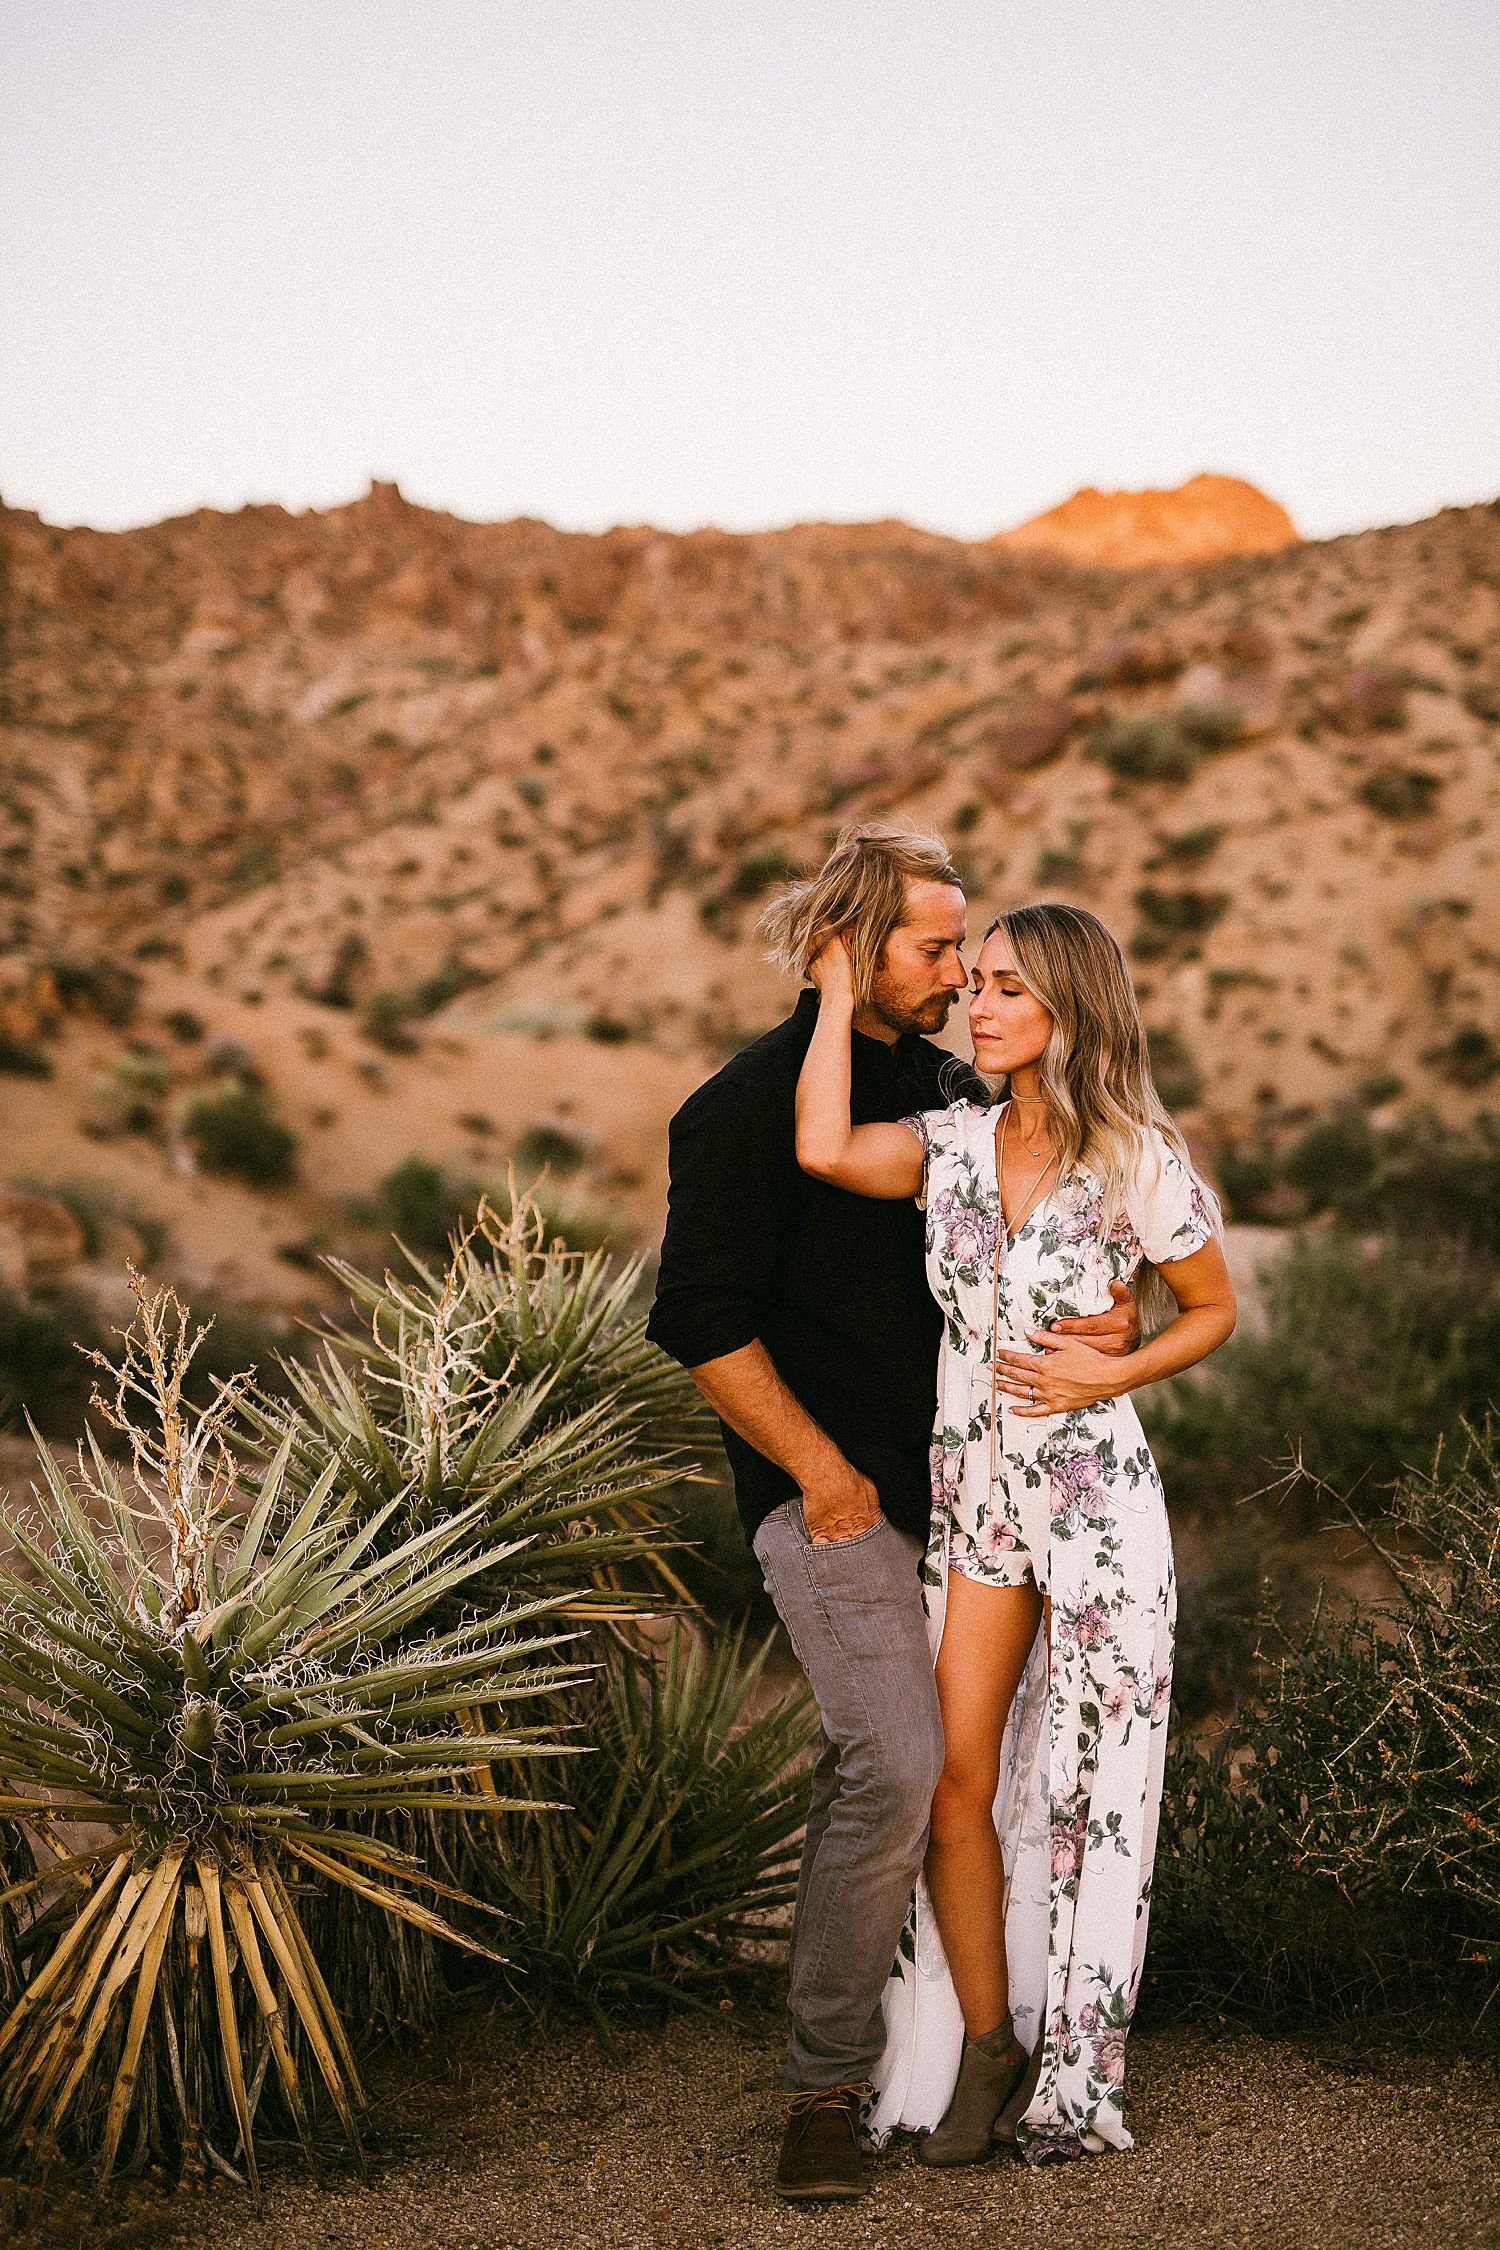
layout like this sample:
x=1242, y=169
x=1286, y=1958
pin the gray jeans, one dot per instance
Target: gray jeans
x=853, y=1612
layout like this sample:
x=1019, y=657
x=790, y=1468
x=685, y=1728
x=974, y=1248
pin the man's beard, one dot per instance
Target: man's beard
x=905, y=1016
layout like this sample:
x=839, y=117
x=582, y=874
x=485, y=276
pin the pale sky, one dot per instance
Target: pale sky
x=748, y=261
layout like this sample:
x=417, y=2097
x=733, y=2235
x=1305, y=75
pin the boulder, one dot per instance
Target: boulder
x=39, y=1236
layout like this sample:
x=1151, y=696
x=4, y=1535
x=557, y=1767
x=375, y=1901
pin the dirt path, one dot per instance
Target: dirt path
x=501, y=2139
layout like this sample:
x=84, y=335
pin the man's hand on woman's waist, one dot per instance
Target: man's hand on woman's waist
x=1115, y=1331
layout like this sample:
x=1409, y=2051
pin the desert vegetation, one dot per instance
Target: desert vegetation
x=285, y=1669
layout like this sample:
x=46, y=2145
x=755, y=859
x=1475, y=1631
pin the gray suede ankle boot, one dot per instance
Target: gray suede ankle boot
x=991, y=2069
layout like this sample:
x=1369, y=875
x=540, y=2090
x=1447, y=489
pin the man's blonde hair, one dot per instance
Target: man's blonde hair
x=858, y=892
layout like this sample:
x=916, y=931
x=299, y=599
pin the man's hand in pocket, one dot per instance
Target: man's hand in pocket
x=838, y=1503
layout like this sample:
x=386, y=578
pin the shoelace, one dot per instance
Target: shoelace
x=803, y=2103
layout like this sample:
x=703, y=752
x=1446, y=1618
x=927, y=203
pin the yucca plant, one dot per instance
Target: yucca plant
x=208, y=1680
x=681, y=1835
x=519, y=1382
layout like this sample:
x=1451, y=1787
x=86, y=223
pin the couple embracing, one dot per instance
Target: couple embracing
x=916, y=1308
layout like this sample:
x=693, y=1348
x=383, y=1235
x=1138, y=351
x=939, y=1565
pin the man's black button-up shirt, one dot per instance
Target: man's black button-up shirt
x=833, y=1284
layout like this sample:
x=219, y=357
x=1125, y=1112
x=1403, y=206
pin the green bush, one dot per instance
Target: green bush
x=238, y=1132
x=23, y=1058
x=549, y=1148
x=1148, y=748
x=1422, y=1177
x=1400, y=792
x=42, y=1371
x=1189, y=848
x=1185, y=913
x=1210, y=726
x=103, y=986
x=1337, y=1852
x=1469, y=1059
x=1179, y=1081
x=1372, y=1351
x=385, y=1020
x=423, y=1206
x=419, y=1205
x=1168, y=917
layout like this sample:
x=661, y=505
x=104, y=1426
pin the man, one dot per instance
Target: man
x=804, y=1315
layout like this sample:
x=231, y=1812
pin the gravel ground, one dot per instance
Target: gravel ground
x=503, y=2138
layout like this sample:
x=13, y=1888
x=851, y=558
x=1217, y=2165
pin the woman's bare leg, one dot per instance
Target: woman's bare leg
x=987, y=1637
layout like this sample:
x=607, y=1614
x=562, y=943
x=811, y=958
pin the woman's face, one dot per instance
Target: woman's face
x=1008, y=1024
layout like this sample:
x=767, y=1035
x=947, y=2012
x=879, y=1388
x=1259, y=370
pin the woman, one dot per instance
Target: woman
x=1047, y=1509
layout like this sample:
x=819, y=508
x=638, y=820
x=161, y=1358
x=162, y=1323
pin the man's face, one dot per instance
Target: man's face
x=921, y=971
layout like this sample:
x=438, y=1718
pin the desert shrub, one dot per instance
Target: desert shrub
x=1146, y=748
x=1400, y=792
x=42, y=1371
x=1218, y=1609
x=1371, y=1351
x=1179, y=1081
x=23, y=1058
x=1420, y=1177
x=549, y=1148
x=1245, y=1173
x=1188, y=848
x=715, y=1563
x=1469, y=1059
x=385, y=1020
x=337, y=988
x=128, y=1097
x=1184, y=912
x=1327, y=1160
x=239, y=1132
x=1168, y=917
x=1210, y=726
x=446, y=983
x=104, y=987
x=423, y=1206
x=608, y=1030
x=682, y=1831
x=418, y=1204
x=1337, y=1851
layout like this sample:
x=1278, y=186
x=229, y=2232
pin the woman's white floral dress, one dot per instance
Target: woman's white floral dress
x=1074, y=1503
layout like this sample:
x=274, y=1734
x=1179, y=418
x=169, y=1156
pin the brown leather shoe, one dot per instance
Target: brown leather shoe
x=820, y=2159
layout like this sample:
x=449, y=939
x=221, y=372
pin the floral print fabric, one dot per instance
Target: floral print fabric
x=1074, y=1503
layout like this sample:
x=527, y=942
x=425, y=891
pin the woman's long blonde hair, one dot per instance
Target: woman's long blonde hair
x=1095, y=1075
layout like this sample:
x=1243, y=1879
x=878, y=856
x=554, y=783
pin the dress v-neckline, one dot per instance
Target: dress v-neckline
x=1008, y=1234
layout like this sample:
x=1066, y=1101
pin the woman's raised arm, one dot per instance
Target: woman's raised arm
x=876, y=1160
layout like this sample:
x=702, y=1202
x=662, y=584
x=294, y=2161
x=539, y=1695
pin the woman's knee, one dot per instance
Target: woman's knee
x=962, y=1803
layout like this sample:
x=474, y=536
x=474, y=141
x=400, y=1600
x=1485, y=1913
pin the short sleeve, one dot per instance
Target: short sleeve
x=937, y=1130
x=1166, y=1205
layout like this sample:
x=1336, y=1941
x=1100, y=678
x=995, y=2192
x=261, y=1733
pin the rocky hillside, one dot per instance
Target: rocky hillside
x=449, y=838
